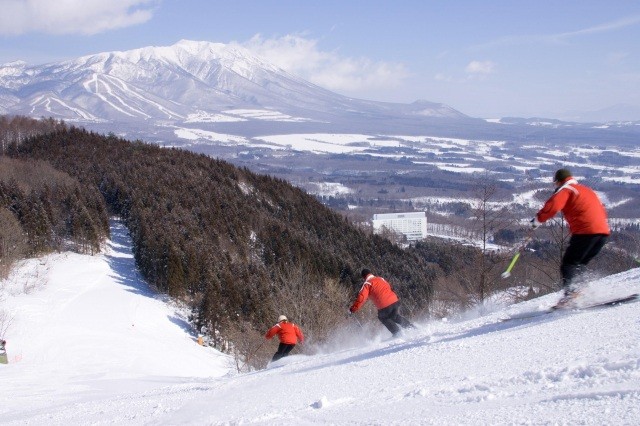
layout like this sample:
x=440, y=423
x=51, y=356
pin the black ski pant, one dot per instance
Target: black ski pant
x=391, y=318
x=283, y=350
x=582, y=248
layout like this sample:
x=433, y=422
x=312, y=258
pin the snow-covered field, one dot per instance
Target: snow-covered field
x=476, y=152
x=89, y=343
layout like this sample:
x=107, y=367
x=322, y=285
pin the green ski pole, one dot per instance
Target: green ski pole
x=507, y=272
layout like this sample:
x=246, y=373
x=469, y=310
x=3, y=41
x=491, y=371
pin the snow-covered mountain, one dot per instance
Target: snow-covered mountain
x=89, y=343
x=179, y=83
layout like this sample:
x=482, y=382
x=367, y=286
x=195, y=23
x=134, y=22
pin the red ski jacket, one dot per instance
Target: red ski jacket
x=287, y=332
x=581, y=207
x=380, y=291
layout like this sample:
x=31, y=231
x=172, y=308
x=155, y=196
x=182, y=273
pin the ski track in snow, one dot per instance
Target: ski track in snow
x=96, y=81
x=97, y=346
x=126, y=89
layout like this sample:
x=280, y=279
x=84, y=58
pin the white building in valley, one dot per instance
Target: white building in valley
x=413, y=225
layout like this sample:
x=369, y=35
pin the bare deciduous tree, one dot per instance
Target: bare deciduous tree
x=5, y=322
x=488, y=218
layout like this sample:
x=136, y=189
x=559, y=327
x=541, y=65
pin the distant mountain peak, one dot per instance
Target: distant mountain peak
x=14, y=68
x=15, y=64
x=159, y=83
x=423, y=102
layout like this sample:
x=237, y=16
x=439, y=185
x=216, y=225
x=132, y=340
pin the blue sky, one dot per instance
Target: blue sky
x=484, y=58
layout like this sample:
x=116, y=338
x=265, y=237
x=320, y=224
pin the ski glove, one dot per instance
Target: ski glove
x=535, y=223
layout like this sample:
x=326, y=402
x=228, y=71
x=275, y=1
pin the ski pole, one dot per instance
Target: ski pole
x=516, y=256
x=507, y=272
x=356, y=319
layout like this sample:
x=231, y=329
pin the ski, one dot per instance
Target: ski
x=614, y=302
x=555, y=308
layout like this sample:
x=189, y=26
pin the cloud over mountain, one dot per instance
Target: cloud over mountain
x=72, y=17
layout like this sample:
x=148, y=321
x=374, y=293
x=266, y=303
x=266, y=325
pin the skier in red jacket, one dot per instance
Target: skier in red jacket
x=587, y=219
x=289, y=335
x=385, y=299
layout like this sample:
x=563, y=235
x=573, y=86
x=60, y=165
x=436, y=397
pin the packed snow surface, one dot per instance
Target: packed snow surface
x=90, y=343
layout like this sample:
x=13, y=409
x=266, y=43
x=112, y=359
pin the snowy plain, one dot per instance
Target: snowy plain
x=478, y=152
x=90, y=343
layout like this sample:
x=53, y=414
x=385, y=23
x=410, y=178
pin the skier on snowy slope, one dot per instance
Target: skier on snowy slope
x=587, y=219
x=289, y=335
x=385, y=300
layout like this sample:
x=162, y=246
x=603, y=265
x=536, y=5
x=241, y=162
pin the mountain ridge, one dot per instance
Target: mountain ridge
x=172, y=82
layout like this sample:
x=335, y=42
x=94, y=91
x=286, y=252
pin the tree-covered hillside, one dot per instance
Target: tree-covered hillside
x=240, y=248
x=43, y=209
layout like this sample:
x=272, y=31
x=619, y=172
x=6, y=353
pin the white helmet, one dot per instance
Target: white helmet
x=282, y=318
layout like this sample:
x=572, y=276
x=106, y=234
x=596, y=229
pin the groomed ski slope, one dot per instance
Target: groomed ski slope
x=91, y=344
